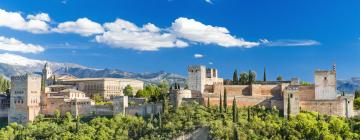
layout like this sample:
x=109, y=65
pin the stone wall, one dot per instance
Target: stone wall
x=237, y=90
x=306, y=92
x=329, y=107
x=144, y=110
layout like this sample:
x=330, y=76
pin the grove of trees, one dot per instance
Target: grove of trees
x=235, y=123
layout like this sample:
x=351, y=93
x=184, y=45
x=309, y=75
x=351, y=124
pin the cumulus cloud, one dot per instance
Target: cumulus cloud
x=16, y=21
x=193, y=30
x=290, y=42
x=197, y=55
x=12, y=44
x=41, y=16
x=124, y=34
x=82, y=26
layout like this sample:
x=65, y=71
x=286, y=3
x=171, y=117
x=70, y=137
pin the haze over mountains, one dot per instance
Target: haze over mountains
x=11, y=64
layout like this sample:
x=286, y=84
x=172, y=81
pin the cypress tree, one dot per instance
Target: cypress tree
x=236, y=135
x=264, y=74
x=288, y=108
x=160, y=121
x=248, y=114
x=208, y=102
x=220, y=104
x=165, y=105
x=235, y=78
x=225, y=100
x=234, y=111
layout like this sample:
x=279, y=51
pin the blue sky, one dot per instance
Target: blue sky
x=292, y=38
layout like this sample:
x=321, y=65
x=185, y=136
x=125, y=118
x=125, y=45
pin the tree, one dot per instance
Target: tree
x=279, y=78
x=288, y=107
x=264, y=74
x=165, y=105
x=208, y=101
x=128, y=91
x=236, y=134
x=244, y=78
x=225, y=100
x=220, y=104
x=43, y=79
x=252, y=77
x=234, y=111
x=357, y=94
x=235, y=78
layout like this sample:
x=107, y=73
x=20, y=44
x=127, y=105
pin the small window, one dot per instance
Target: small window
x=291, y=95
x=325, y=78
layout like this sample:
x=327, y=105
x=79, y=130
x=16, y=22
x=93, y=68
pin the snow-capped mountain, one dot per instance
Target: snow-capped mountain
x=349, y=85
x=11, y=64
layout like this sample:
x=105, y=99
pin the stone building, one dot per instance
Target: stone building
x=68, y=100
x=105, y=87
x=24, y=98
x=4, y=105
x=321, y=97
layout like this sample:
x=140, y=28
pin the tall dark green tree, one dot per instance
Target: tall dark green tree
x=235, y=78
x=264, y=74
x=165, y=105
x=234, y=111
x=288, y=107
x=248, y=114
x=208, y=101
x=43, y=79
x=220, y=104
x=225, y=100
x=236, y=134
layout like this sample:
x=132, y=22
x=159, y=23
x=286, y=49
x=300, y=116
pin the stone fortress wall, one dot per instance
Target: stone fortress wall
x=321, y=97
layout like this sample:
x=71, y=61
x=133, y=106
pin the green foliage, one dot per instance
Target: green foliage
x=279, y=78
x=252, y=77
x=128, y=91
x=265, y=124
x=235, y=78
x=97, y=98
x=244, y=78
x=357, y=103
x=155, y=93
x=357, y=94
x=4, y=84
x=303, y=83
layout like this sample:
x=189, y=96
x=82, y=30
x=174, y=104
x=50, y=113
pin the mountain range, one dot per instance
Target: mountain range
x=11, y=64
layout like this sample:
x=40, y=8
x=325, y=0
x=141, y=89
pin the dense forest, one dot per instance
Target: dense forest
x=224, y=123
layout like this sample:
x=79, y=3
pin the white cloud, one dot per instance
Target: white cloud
x=82, y=26
x=14, y=20
x=193, y=30
x=290, y=42
x=40, y=16
x=210, y=63
x=124, y=34
x=12, y=44
x=197, y=55
x=209, y=1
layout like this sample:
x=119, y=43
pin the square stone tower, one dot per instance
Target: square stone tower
x=325, y=85
x=24, y=98
x=196, y=78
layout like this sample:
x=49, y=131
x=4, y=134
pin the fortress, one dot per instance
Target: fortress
x=321, y=97
x=32, y=95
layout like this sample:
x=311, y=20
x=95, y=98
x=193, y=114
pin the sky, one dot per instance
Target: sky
x=289, y=38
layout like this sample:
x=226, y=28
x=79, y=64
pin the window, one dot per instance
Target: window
x=325, y=78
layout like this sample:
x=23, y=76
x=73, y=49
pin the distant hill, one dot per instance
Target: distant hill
x=349, y=85
x=11, y=64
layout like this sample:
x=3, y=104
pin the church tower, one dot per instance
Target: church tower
x=47, y=71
